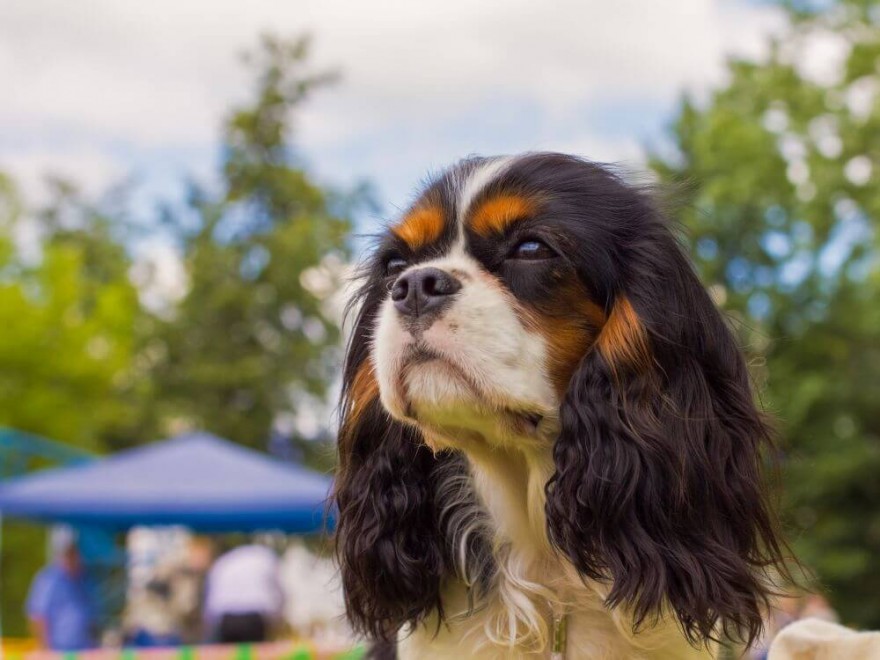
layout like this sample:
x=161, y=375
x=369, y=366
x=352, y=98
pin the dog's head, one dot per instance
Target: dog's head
x=539, y=303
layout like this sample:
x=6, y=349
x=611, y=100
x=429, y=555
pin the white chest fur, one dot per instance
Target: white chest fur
x=592, y=633
x=534, y=585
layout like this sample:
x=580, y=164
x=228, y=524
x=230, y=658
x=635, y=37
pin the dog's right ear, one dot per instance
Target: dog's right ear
x=388, y=542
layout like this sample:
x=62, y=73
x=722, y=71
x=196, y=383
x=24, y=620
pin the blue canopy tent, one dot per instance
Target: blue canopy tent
x=197, y=480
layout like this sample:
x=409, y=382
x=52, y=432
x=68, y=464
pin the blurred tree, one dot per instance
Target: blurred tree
x=779, y=174
x=247, y=352
x=70, y=319
x=70, y=322
x=255, y=339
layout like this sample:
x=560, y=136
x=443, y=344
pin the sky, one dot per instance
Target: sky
x=105, y=90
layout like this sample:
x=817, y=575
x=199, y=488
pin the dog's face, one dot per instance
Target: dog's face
x=490, y=304
x=540, y=302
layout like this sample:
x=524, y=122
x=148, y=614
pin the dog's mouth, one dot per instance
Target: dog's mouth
x=419, y=353
x=418, y=356
x=520, y=420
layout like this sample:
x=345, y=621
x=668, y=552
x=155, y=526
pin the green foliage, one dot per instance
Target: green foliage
x=23, y=554
x=251, y=344
x=250, y=341
x=778, y=175
x=70, y=320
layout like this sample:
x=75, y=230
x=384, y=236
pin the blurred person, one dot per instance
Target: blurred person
x=167, y=609
x=60, y=605
x=315, y=608
x=150, y=620
x=189, y=588
x=244, y=600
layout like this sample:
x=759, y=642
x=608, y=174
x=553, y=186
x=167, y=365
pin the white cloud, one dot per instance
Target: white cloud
x=819, y=56
x=91, y=168
x=159, y=274
x=158, y=75
x=439, y=59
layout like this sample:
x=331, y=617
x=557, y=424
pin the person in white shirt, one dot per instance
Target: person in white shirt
x=244, y=599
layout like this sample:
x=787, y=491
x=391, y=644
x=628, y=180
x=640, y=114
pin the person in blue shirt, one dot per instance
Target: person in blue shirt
x=59, y=605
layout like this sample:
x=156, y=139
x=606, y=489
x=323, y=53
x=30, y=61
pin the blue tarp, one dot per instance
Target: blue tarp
x=197, y=480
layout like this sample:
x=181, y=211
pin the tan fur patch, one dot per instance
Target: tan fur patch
x=569, y=331
x=421, y=226
x=624, y=340
x=569, y=340
x=365, y=387
x=497, y=213
x=364, y=390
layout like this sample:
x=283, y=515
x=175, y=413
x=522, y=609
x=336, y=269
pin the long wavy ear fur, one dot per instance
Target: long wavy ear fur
x=658, y=485
x=388, y=541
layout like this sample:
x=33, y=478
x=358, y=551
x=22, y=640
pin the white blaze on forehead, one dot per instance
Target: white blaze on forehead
x=477, y=180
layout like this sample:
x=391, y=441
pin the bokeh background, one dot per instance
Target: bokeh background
x=178, y=220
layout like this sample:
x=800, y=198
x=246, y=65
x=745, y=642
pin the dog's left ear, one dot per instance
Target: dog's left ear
x=389, y=541
x=658, y=485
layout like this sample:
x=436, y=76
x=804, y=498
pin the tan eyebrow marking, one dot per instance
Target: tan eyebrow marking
x=420, y=226
x=497, y=213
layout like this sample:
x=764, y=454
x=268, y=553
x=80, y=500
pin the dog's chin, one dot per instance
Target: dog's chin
x=432, y=382
x=453, y=411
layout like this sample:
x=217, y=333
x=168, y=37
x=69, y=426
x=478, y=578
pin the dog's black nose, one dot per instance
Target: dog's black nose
x=423, y=290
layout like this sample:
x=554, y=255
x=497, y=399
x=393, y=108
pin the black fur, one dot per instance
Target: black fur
x=382, y=651
x=658, y=485
x=395, y=540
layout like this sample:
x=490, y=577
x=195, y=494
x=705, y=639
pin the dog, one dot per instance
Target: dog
x=549, y=445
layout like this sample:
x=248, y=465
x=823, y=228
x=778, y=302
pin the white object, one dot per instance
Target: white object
x=244, y=580
x=815, y=639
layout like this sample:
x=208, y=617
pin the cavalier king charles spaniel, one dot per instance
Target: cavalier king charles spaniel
x=549, y=445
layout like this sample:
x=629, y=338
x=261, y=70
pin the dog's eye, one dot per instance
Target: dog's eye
x=395, y=266
x=532, y=249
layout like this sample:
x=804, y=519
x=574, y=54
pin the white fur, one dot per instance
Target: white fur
x=533, y=583
x=481, y=177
